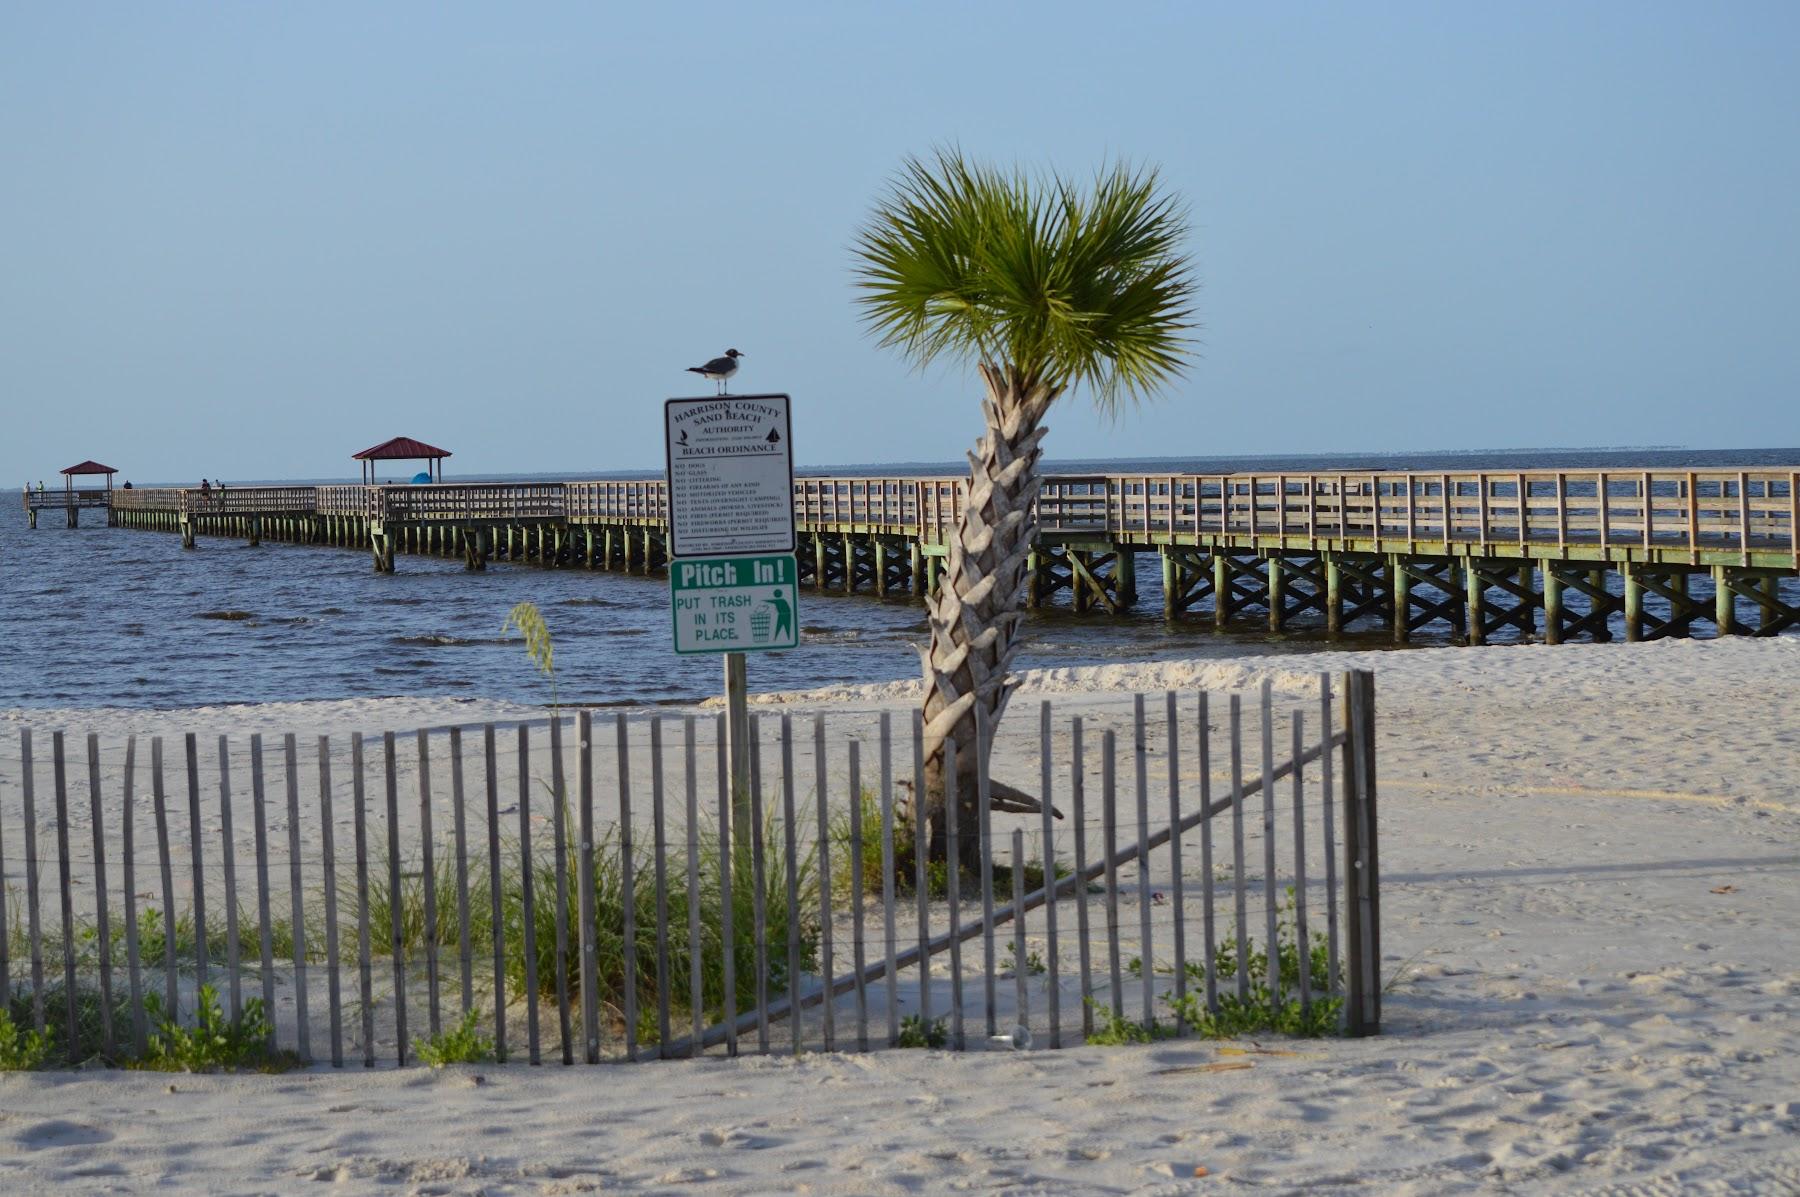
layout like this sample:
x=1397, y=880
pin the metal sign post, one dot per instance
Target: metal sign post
x=733, y=579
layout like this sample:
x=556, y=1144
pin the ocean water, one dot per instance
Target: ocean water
x=111, y=617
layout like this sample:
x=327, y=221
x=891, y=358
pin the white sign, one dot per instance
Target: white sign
x=731, y=475
x=735, y=604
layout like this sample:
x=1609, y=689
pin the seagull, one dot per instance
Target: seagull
x=719, y=369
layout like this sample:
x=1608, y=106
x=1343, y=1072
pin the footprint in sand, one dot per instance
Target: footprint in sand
x=61, y=1134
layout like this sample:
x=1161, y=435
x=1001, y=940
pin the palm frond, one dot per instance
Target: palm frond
x=1065, y=285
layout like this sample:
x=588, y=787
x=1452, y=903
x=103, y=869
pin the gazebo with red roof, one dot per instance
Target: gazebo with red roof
x=402, y=448
x=87, y=467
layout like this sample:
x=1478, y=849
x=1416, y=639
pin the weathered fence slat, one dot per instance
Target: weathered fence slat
x=854, y=870
x=396, y=941
x=627, y=889
x=428, y=882
x=1177, y=895
x=365, y=979
x=584, y=880
x=758, y=878
x=496, y=935
x=1240, y=905
x=822, y=792
x=1271, y=901
x=985, y=824
x=1300, y=936
x=66, y=877
x=128, y=849
x=1021, y=958
x=1109, y=832
x=1208, y=925
x=296, y=888
x=460, y=830
x=789, y=824
x=198, y=902
x=1361, y=859
x=34, y=927
x=887, y=877
x=696, y=956
x=102, y=916
x=921, y=868
x=228, y=855
x=559, y=838
x=1146, y=950
x=265, y=938
x=659, y=835
x=1078, y=813
x=1327, y=818
x=160, y=795
x=328, y=857
x=953, y=886
x=528, y=898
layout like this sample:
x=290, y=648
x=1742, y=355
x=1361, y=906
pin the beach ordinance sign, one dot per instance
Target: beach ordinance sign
x=733, y=580
x=735, y=604
x=731, y=475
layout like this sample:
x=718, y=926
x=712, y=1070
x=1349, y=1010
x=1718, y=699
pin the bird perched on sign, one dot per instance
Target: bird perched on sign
x=719, y=369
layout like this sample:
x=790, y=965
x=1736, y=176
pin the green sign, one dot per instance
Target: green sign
x=735, y=604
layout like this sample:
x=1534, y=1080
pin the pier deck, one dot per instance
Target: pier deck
x=1552, y=554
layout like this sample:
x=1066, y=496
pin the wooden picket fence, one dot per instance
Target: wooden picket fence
x=642, y=910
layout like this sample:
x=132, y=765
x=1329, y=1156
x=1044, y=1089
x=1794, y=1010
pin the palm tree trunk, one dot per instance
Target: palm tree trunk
x=976, y=613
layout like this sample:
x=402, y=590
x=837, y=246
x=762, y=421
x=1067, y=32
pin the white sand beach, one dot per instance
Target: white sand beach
x=1591, y=872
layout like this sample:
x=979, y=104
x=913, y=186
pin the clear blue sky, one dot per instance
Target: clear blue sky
x=249, y=240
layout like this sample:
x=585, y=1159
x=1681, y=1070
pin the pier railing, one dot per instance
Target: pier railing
x=51, y=499
x=476, y=501
x=1659, y=509
x=1699, y=509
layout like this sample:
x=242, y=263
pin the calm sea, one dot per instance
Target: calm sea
x=104, y=616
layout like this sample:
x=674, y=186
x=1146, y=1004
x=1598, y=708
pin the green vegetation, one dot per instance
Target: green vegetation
x=916, y=1032
x=539, y=644
x=1044, y=286
x=906, y=866
x=463, y=1044
x=214, y=1043
x=609, y=919
x=1112, y=1028
x=22, y=1050
x=89, y=1038
x=1279, y=1013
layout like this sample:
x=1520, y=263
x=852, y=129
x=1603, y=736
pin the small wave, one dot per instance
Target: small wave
x=625, y=631
x=232, y=616
x=441, y=641
x=332, y=611
x=588, y=602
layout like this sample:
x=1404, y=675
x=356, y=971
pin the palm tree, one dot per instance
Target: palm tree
x=1047, y=288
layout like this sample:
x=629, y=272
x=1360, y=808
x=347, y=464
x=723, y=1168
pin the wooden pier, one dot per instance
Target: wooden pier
x=71, y=502
x=1554, y=555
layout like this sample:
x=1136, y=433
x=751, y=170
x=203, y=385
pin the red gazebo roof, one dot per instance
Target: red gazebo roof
x=90, y=467
x=401, y=448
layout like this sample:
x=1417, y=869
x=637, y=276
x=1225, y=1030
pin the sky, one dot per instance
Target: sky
x=248, y=240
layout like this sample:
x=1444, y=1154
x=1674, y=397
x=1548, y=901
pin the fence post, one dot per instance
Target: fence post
x=1362, y=1009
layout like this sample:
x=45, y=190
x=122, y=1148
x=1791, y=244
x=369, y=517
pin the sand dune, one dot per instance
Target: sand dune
x=1592, y=869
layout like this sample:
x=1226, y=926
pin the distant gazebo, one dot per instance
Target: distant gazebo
x=87, y=467
x=402, y=448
